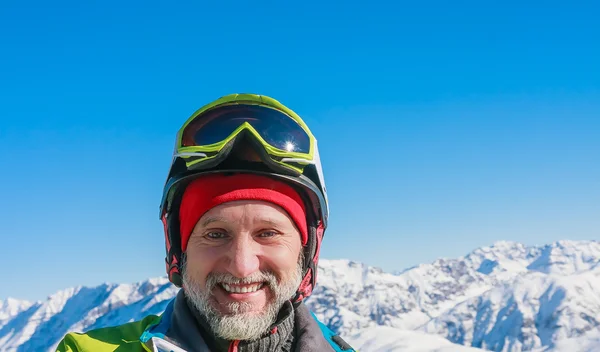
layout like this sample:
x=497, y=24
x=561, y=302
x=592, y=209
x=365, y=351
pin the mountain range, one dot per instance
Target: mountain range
x=507, y=297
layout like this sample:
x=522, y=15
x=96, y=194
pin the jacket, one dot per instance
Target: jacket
x=153, y=334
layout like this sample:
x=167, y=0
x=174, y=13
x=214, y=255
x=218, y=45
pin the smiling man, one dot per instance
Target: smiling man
x=244, y=211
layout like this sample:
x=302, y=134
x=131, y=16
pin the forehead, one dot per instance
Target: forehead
x=248, y=208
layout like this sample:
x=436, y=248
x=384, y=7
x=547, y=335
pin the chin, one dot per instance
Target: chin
x=240, y=308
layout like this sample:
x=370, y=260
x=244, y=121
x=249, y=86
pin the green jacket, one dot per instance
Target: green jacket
x=123, y=338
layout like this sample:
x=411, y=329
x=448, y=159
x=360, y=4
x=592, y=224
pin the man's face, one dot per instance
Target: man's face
x=243, y=262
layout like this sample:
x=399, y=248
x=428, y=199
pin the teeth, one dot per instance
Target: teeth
x=234, y=289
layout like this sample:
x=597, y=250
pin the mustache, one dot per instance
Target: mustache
x=268, y=277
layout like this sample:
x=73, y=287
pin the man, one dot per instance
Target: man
x=244, y=211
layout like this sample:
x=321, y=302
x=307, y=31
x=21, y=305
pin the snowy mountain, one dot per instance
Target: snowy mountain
x=533, y=310
x=10, y=308
x=507, y=297
x=41, y=326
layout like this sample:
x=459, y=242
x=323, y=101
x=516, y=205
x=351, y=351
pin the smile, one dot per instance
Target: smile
x=242, y=289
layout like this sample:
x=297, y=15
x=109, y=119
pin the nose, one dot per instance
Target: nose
x=243, y=258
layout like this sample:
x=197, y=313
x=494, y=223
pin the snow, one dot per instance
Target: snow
x=505, y=297
x=589, y=342
x=567, y=257
x=10, y=308
x=532, y=310
x=387, y=339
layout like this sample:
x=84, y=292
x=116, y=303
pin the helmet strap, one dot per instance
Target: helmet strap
x=174, y=260
x=311, y=255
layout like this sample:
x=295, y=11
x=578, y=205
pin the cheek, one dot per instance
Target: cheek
x=200, y=262
x=282, y=261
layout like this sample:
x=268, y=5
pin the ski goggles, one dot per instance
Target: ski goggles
x=284, y=136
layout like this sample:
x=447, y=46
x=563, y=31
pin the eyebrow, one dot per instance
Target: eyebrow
x=212, y=219
x=270, y=222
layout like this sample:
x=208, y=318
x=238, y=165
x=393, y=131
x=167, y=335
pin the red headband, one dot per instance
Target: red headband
x=208, y=191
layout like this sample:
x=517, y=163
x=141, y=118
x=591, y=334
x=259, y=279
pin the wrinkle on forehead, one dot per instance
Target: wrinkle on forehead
x=267, y=213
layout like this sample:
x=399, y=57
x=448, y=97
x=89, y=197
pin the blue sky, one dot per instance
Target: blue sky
x=442, y=127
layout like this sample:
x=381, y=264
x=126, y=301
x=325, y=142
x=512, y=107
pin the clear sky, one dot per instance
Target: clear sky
x=443, y=126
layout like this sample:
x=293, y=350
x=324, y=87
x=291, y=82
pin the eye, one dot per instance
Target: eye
x=215, y=235
x=267, y=234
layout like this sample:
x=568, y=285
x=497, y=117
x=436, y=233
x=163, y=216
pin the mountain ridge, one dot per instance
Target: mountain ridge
x=505, y=297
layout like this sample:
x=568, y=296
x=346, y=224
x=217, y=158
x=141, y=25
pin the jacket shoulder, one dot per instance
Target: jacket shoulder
x=126, y=337
x=335, y=340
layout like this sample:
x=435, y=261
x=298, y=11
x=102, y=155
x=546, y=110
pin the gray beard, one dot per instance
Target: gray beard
x=240, y=323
